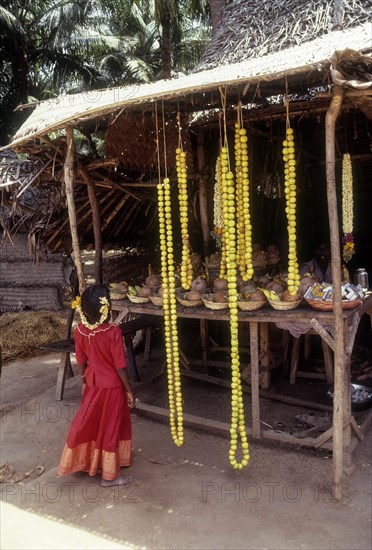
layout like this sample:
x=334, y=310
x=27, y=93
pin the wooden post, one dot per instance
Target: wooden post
x=255, y=379
x=98, y=262
x=264, y=348
x=339, y=366
x=69, y=183
x=203, y=202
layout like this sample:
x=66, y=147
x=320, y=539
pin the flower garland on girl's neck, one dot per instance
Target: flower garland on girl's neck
x=104, y=310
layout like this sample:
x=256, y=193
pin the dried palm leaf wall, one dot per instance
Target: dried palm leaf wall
x=25, y=284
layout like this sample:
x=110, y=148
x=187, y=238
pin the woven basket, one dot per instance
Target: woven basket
x=157, y=300
x=251, y=306
x=138, y=299
x=118, y=295
x=284, y=306
x=188, y=303
x=327, y=305
x=211, y=304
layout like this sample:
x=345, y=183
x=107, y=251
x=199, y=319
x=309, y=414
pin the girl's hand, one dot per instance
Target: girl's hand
x=130, y=397
x=83, y=388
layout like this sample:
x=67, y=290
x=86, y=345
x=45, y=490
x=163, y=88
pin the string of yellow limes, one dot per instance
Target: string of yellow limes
x=290, y=190
x=244, y=227
x=186, y=265
x=169, y=302
x=237, y=429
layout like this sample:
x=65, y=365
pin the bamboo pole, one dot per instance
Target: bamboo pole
x=338, y=400
x=97, y=230
x=69, y=183
x=203, y=202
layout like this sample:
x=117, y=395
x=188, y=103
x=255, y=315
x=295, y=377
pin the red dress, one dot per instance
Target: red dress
x=100, y=437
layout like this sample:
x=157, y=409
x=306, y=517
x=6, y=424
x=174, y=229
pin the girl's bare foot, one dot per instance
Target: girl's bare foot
x=121, y=480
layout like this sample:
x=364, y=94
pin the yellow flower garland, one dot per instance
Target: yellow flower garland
x=170, y=312
x=347, y=208
x=104, y=311
x=217, y=199
x=347, y=194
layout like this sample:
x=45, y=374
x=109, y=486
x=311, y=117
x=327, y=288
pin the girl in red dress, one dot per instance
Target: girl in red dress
x=100, y=437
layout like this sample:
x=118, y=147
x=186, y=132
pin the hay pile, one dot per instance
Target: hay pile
x=22, y=334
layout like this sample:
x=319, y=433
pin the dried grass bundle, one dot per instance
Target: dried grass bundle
x=22, y=334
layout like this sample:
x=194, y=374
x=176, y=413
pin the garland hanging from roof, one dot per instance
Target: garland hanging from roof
x=347, y=208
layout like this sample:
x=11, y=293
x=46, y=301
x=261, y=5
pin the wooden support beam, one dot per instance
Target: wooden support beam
x=69, y=174
x=338, y=400
x=352, y=332
x=114, y=211
x=322, y=333
x=110, y=199
x=98, y=260
x=265, y=354
x=255, y=379
x=82, y=208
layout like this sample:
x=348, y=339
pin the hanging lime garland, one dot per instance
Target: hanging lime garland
x=186, y=265
x=218, y=213
x=244, y=227
x=290, y=189
x=170, y=304
x=237, y=429
x=347, y=208
x=221, y=167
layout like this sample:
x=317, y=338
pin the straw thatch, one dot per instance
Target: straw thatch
x=305, y=63
x=251, y=29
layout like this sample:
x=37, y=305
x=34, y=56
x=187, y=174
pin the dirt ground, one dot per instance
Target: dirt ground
x=186, y=497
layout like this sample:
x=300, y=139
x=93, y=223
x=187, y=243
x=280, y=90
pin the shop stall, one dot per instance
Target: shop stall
x=205, y=120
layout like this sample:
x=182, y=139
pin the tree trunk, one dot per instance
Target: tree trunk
x=217, y=8
x=98, y=262
x=166, y=45
x=69, y=183
x=339, y=351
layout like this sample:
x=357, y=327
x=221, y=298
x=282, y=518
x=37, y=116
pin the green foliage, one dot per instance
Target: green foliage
x=49, y=47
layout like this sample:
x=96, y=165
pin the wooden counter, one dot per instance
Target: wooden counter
x=321, y=321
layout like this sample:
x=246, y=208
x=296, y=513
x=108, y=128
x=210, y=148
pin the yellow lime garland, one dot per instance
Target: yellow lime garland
x=170, y=312
x=221, y=167
x=186, y=265
x=237, y=429
x=244, y=227
x=104, y=311
x=347, y=208
x=294, y=278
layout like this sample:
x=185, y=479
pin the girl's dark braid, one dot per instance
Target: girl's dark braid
x=90, y=303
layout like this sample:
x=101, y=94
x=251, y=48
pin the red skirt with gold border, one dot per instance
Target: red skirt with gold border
x=100, y=437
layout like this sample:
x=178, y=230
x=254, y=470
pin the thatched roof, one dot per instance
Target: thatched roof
x=251, y=29
x=303, y=66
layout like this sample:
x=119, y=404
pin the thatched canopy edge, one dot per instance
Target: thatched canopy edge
x=58, y=113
